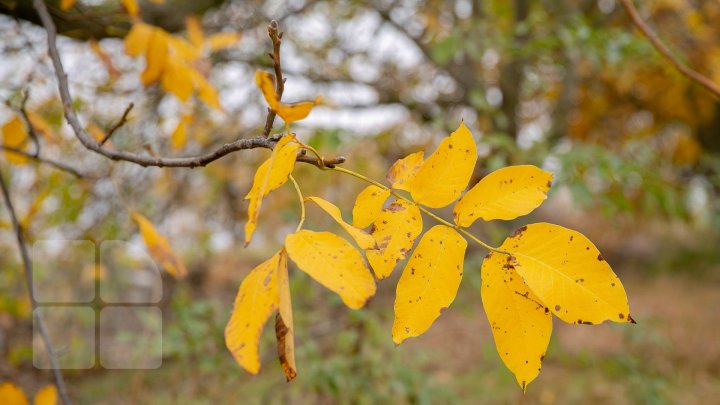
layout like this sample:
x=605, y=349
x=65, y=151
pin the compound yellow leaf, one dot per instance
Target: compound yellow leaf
x=222, y=40
x=137, y=40
x=272, y=174
x=568, y=273
x=159, y=247
x=15, y=136
x=284, y=321
x=256, y=300
x=521, y=324
x=368, y=205
x=445, y=174
x=429, y=283
x=266, y=83
x=47, y=395
x=364, y=240
x=177, y=78
x=296, y=111
x=11, y=394
x=394, y=230
x=66, y=5
x=194, y=30
x=334, y=263
x=506, y=194
x=131, y=7
x=402, y=173
x=156, y=57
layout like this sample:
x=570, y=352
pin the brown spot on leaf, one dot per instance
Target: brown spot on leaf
x=557, y=307
x=519, y=232
x=600, y=258
x=630, y=318
x=395, y=207
x=622, y=316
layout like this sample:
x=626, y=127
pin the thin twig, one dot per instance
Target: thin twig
x=27, y=267
x=118, y=124
x=31, y=129
x=665, y=51
x=276, y=37
x=49, y=162
x=143, y=160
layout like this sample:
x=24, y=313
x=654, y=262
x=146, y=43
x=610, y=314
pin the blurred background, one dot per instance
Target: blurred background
x=569, y=86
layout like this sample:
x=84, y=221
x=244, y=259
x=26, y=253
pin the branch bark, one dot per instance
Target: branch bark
x=665, y=51
x=28, y=272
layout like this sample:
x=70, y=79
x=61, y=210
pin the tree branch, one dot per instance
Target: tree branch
x=190, y=162
x=665, y=51
x=49, y=162
x=27, y=267
x=118, y=124
x=276, y=37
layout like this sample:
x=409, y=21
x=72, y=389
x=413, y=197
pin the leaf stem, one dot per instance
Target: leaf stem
x=420, y=207
x=302, y=203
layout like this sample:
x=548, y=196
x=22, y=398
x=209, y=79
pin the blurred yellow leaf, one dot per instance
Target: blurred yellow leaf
x=394, y=231
x=10, y=394
x=266, y=82
x=222, y=40
x=159, y=247
x=364, y=240
x=137, y=40
x=131, y=7
x=429, y=283
x=256, y=300
x=66, y=5
x=284, y=321
x=156, y=56
x=195, y=31
x=177, y=78
x=521, y=324
x=206, y=91
x=41, y=126
x=272, y=174
x=506, y=194
x=15, y=136
x=334, y=263
x=568, y=273
x=104, y=58
x=445, y=174
x=402, y=173
x=288, y=112
x=178, y=139
x=368, y=205
x=47, y=395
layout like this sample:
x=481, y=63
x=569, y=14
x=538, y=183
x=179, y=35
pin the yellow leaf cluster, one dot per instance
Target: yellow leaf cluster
x=11, y=394
x=159, y=247
x=364, y=240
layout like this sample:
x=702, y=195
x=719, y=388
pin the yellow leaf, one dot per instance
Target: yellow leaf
x=156, y=57
x=272, y=174
x=296, y=111
x=222, y=40
x=159, y=247
x=46, y=396
x=137, y=40
x=506, y=193
x=364, y=240
x=178, y=138
x=96, y=132
x=266, y=83
x=66, y=5
x=368, y=205
x=195, y=31
x=429, y=283
x=402, y=173
x=131, y=7
x=41, y=126
x=10, y=394
x=177, y=78
x=568, y=273
x=182, y=48
x=521, y=324
x=394, y=231
x=445, y=174
x=206, y=91
x=256, y=300
x=334, y=263
x=284, y=321
x=15, y=136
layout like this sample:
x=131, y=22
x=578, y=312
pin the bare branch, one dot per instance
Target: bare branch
x=276, y=37
x=49, y=162
x=143, y=160
x=665, y=51
x=118, y=124
x=28, y=271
